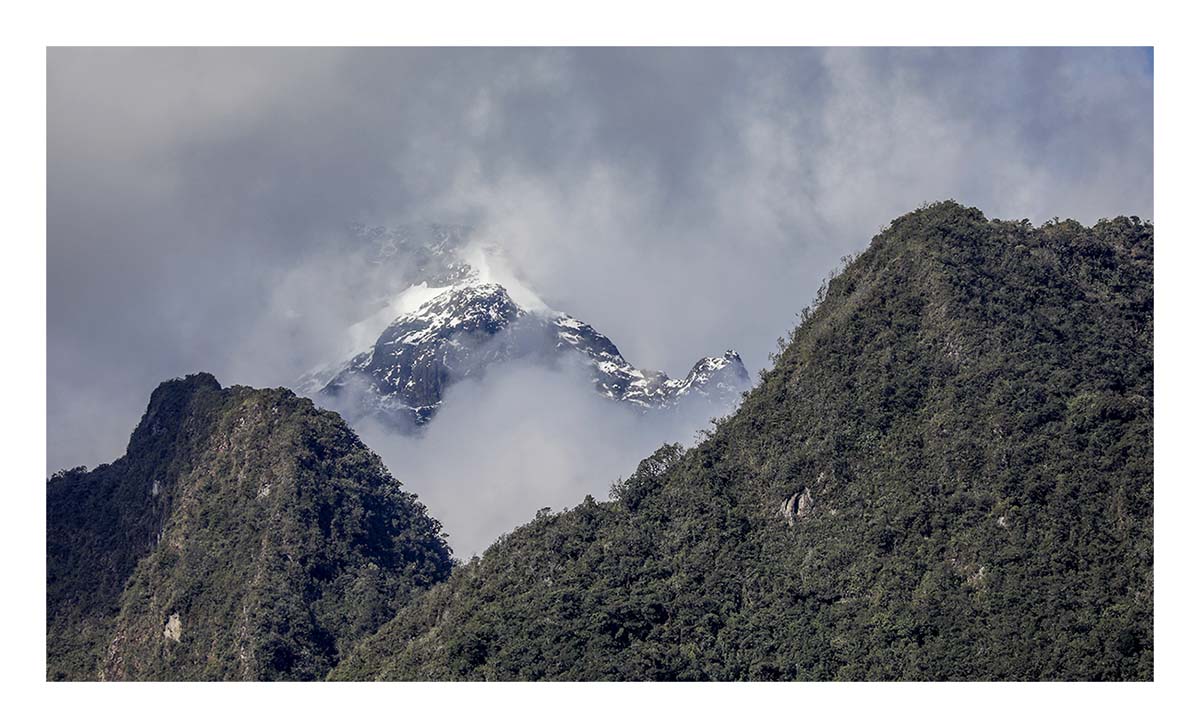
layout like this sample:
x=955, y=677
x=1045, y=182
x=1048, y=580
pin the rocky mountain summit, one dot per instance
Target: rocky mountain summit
x=467, y=313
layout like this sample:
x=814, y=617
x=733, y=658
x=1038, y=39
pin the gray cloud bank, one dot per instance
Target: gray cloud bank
x=682, y=201
x=520, y=439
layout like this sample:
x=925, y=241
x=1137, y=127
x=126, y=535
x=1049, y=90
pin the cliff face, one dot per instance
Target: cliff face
x=947, y=474
x=244, y=535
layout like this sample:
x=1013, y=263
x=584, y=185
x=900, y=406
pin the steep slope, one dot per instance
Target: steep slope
x=461, y=330
x=244, y=535
x=403, y=377
x=947, y=474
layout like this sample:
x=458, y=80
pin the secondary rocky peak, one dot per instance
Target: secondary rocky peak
x=169, y=403
x=255, y=538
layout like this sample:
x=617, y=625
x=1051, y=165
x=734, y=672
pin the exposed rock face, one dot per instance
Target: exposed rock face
x=462, y=312
x=244, y=535
x=403, y=377
x=796, y=507
x=459, y=333
x=173, y=629
x=719, y=379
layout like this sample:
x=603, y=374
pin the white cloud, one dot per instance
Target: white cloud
x=521, y=439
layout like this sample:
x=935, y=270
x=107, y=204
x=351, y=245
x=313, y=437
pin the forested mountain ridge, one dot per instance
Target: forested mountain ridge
x=947, y=474
x=244, y=535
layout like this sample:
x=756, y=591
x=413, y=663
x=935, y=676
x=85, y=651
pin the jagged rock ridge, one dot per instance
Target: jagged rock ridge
x=460, y=324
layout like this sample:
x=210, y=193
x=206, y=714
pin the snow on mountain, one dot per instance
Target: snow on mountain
x=470, y=311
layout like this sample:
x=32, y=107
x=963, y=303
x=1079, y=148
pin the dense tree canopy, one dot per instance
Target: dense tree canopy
x=244, y=535
x=947, y=474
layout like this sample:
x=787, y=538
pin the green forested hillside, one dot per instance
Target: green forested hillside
x=244, y=535
x=947, y=474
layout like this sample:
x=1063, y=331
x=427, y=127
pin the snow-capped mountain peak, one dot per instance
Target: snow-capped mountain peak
x=476, y=312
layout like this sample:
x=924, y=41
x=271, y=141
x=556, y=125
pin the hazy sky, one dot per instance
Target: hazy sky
x=682, y=201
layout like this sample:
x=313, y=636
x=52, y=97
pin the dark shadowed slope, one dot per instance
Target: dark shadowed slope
x=947, y=474
x=244, y=535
